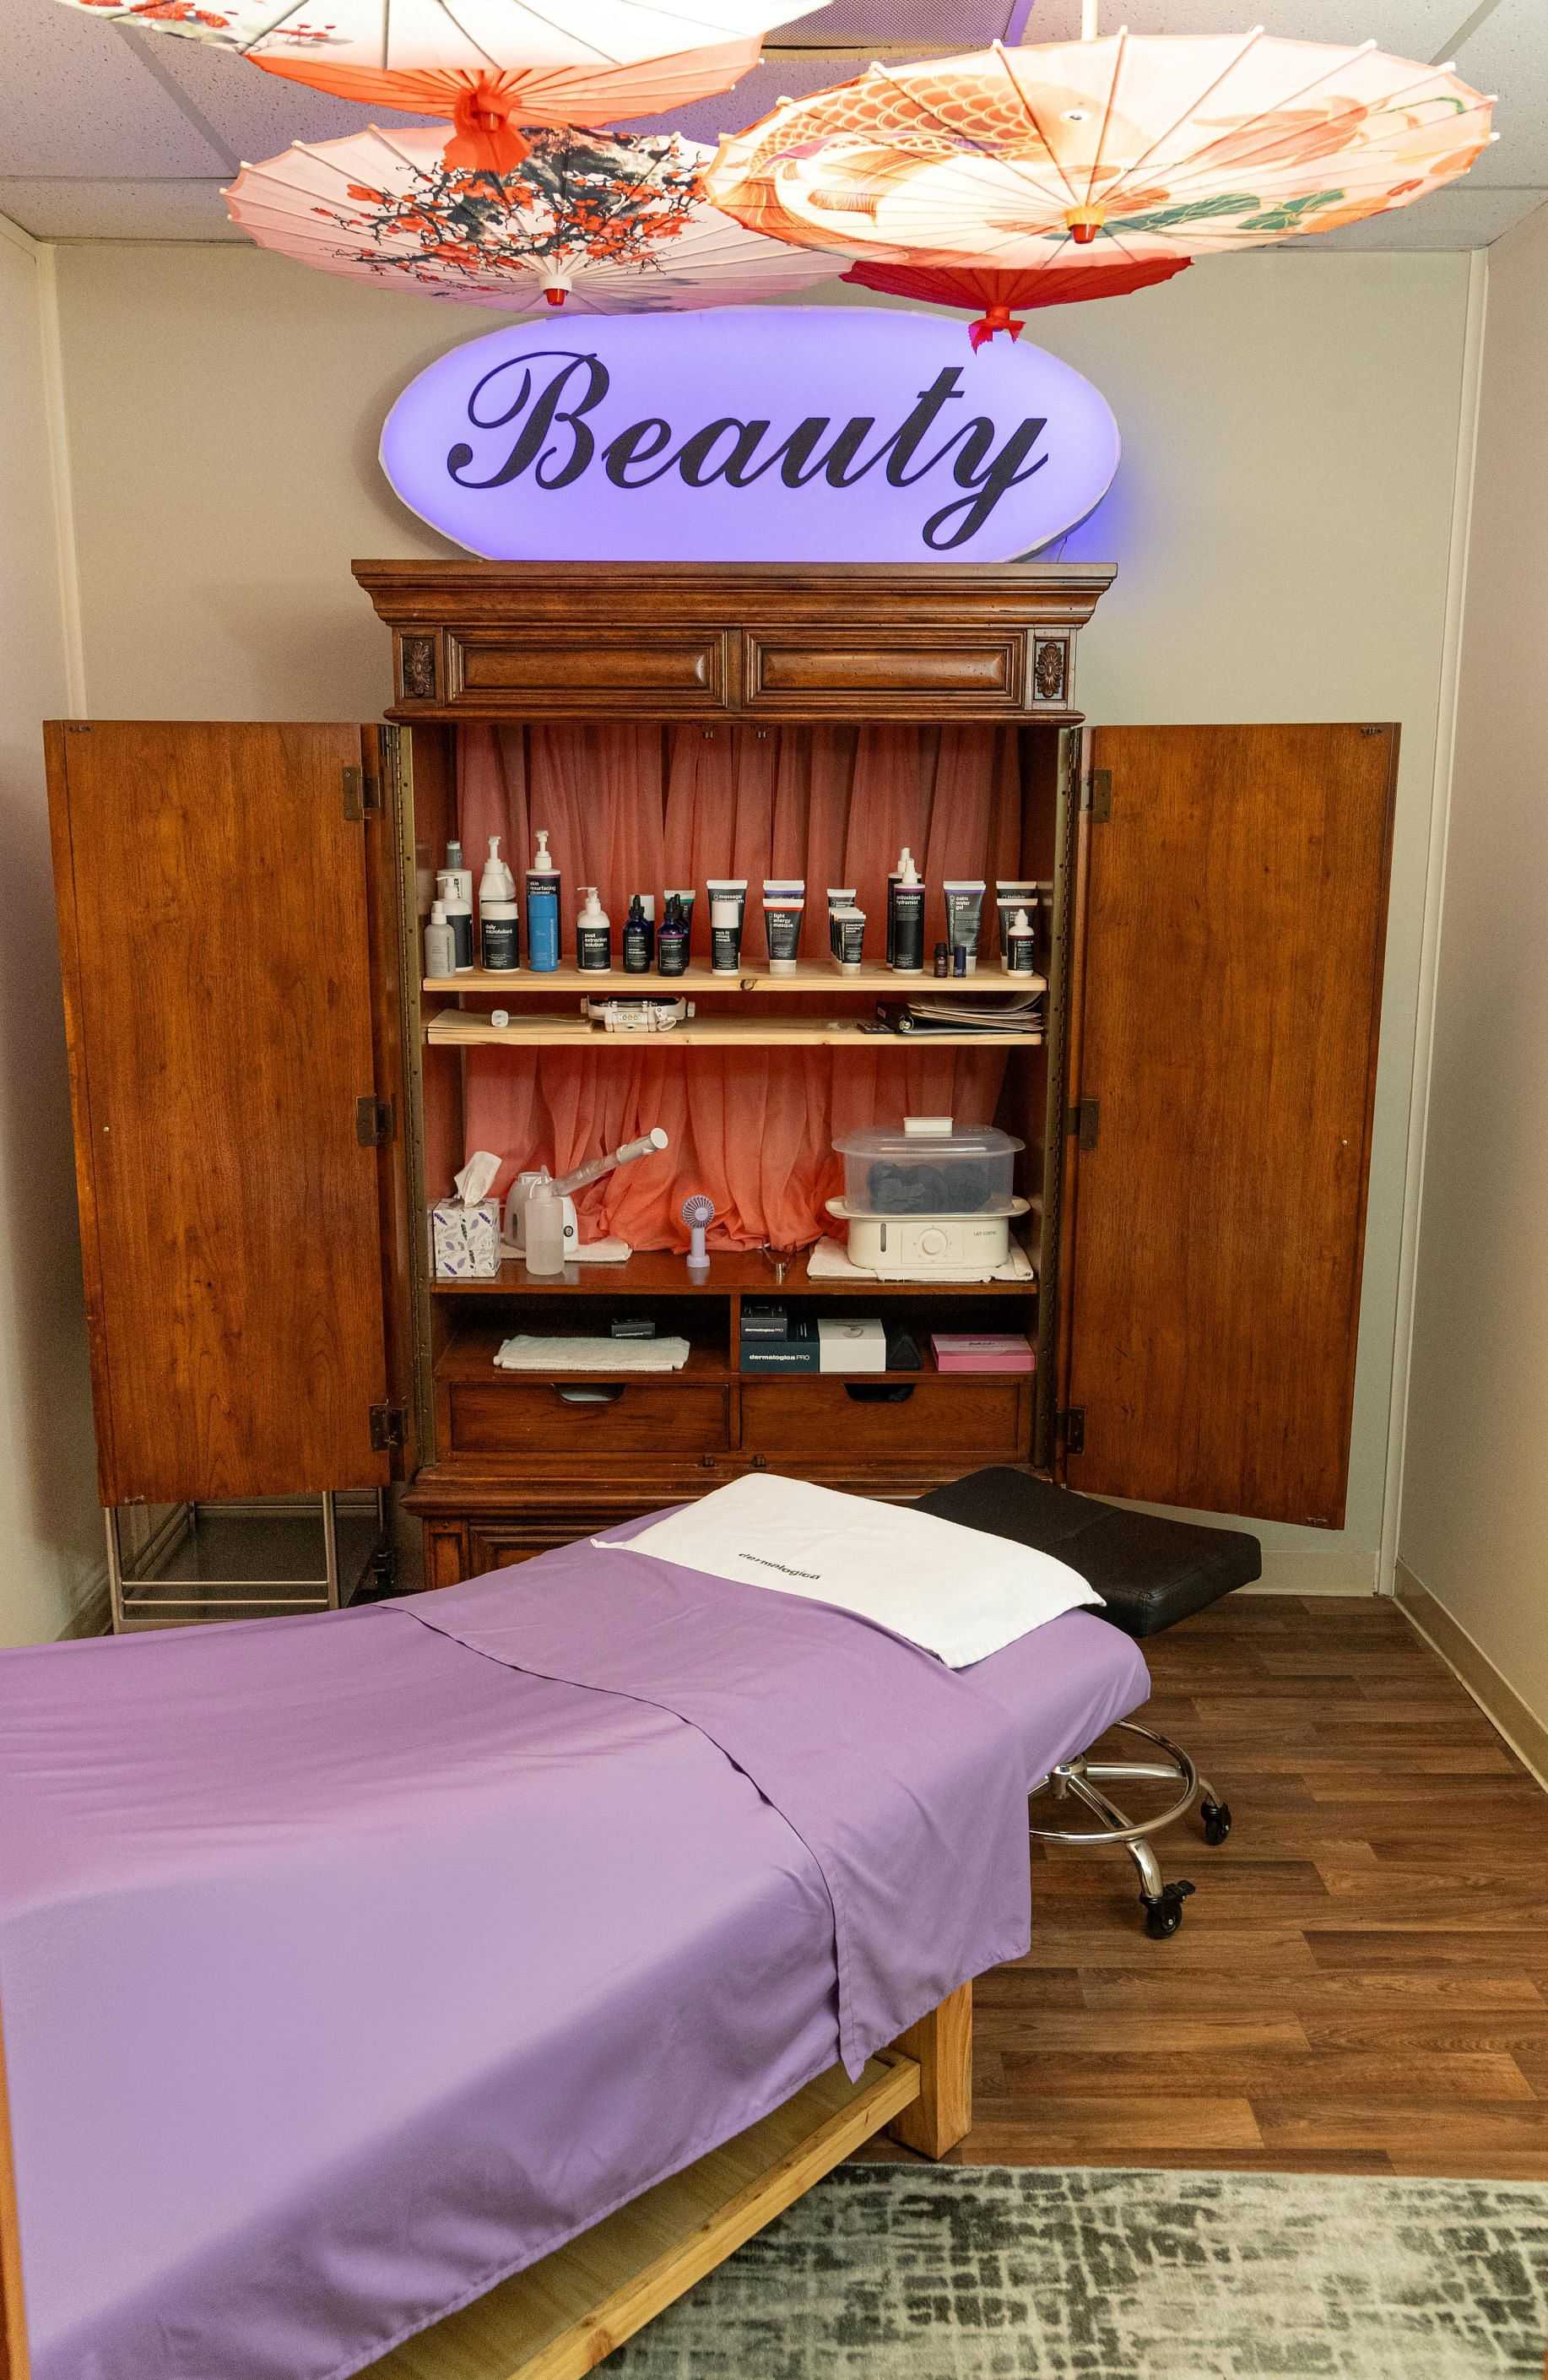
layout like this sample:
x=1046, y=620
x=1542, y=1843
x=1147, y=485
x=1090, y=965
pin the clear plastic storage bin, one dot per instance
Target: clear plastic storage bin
x=928, y=1167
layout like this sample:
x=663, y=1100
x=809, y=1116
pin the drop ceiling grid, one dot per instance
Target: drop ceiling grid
x=108, y=133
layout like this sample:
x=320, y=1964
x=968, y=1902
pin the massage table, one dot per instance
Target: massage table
x=437, y=1989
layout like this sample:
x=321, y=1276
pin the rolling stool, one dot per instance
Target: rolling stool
x=1150, y=1574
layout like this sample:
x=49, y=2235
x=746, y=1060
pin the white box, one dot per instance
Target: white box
x=851, y=1345
x=465, y=1240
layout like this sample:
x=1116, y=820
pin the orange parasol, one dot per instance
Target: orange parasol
x=489, y=64
x=1138, y=146
x=604, y=223
x=993, y=295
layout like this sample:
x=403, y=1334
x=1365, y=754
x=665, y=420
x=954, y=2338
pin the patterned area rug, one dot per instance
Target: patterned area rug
x=908, y=2272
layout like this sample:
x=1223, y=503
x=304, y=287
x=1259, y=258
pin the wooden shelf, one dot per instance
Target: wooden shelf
x=455, y=1027
x=470, y=1356
x=656, y=1272
x=700, y=979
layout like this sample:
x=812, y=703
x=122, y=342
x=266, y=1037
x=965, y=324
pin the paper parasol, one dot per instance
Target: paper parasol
x=490, y=65
x=604, y=223
x=1134, y=146
x=993, y=295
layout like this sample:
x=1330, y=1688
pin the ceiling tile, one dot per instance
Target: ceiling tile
x=108, y=210
x=256, y=115
x=1407, y=29
x=929, y=24
x=1456, y=218
x=1509, y=54
x=75, y=99
x=732, y=111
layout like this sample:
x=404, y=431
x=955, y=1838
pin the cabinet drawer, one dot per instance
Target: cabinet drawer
x=821, y=1421
x=614, y=1417
x=797, y=670
x=574, y=671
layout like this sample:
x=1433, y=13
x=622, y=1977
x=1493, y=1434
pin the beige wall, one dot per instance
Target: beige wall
x=51, y=1538
x=1281, y=524
x=1474, y=1527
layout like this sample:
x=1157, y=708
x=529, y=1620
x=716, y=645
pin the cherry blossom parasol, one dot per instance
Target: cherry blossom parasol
x=605, y=224
x=992, y=296
x=1130, y=147
x=487, y=64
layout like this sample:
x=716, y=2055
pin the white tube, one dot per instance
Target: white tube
x=647, y=1146
x=1088, y=20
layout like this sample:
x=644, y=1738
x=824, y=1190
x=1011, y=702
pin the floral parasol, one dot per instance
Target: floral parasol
x=606, y=223
x=993, y=295
x=489, y=64
x=1136, y=147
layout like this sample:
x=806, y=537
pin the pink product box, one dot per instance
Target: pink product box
x=981, y=1351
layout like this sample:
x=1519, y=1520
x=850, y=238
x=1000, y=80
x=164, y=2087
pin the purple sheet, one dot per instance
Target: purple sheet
x=345, y=1968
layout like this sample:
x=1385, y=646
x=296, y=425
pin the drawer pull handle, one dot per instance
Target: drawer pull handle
x=879, y=1393
x=606, y=1392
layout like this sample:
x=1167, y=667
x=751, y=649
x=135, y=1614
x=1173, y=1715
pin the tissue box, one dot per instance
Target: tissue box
x=465, y=1240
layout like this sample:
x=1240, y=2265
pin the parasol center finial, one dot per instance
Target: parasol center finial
x=1084, y=223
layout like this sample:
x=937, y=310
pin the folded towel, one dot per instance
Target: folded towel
x=528, y=1353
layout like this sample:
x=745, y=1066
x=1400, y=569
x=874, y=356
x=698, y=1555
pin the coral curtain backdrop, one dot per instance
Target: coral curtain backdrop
x=635, y=808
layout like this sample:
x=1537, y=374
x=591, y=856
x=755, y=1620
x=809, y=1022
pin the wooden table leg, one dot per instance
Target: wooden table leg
x=942, y=2044
x=14, y=2361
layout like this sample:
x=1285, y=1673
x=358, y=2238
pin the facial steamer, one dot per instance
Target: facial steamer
x=551, y=1231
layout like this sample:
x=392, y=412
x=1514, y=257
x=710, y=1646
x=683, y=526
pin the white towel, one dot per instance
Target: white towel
x=528, y=1353
x=959, y=1593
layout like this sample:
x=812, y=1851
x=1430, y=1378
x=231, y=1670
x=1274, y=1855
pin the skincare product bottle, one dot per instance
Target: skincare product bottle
x=943, y=959
x=497, y=883
x=498, y=935
x=593, y=936
x=728, y=906
x=464, y=875
x=542, y=908
x=961, y=963
x=683, y=896
x=1018, y=946
x=638, y=940
x=782, y=913
x=906, y=899
x=441, y=949
x=725, y=934
x=459, y=915
x=839, y=897
x=849, y=925
x=965, y=911
x=671, y=942
x=1013, y=892
x=894, y=875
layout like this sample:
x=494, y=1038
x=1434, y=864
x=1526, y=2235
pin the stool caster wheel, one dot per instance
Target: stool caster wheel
x=1164, y=1909
x=1217, y=1820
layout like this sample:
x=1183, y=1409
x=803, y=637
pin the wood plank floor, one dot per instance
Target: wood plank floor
x=1361, y=1982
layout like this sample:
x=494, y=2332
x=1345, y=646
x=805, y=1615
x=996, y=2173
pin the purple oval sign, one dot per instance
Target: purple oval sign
x=754, y=434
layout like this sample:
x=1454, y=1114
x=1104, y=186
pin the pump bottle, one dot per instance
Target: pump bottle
x=593, y=936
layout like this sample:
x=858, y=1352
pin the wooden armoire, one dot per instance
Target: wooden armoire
x=267, y=1089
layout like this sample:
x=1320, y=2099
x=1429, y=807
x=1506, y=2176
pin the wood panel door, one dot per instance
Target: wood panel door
x=215, y=940
x=1235, y=910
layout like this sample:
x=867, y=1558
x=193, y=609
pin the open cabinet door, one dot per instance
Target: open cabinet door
x=1235, y=909
x=216, y=930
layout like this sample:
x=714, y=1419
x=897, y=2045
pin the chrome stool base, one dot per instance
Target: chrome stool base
x=1082, y=1779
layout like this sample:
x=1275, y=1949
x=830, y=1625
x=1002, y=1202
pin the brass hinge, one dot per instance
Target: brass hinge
x=362, y=795
x=1073, y=1423
x=373, y=1121
x=1099, y=796
x=388, y=1426
x=1084, y=1122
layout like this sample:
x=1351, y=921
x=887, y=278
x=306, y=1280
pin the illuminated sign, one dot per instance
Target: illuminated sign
x=754, y=434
